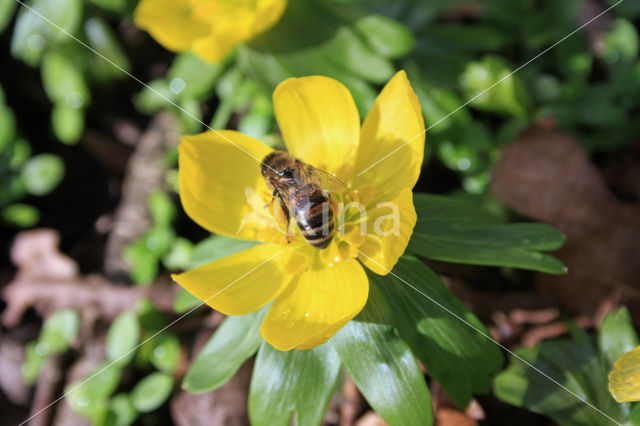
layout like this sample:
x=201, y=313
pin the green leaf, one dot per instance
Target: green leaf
x=180, y=254
x=387, y=36
x=21, y=215
x=7, y=126
x=90, y=397
x=451, y=342
x=67, y=123
x=63, y=80
x=59, y=331
x=102, y=39
x=166, y=352
x=191, y=78
x=7, y=8
x=124, y=412
x=621, y=43
x=237, y=339
x=493, y=88
x=42, y=173
x=382, y=365
x=155, y=96
x=185, y=301
x=575, y=365
x=122, y=338
x=33, y=362
x=616, y=336
x=458, y=231
x=152, y=391
x=32, y=34
x=161, y=207
x=296, y=382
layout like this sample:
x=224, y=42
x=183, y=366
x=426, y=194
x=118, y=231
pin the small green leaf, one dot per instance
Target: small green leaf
x=155, y=96
x=191, y=78
x=112, y=5
x=63, y=80
x=382, y=365
x=33, y=362
x=163, y=212
x=232, y=344
x=166, y=352
x=296, y=382
x=490, y=85
x=185, y=301
x=388, y=37
x=451, y=342
x=90, y=397
x=32, y=34
x=179, y=255
x=122, y=338
x=59, y=331
x=451, y=231
x=67, y=123
x=7, y=8
x=621, y=43
x=123, y=410
x=151, y=392
x=616, y=336
x=21, y=215
x=102, y=39
x=42, y=173
x=7, y=127
x=576, y=366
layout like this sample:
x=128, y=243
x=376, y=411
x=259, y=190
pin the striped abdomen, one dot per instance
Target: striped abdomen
x=313, y=214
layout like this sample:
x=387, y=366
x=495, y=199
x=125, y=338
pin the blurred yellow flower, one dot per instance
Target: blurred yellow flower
x=209, y=28
x=314, y=292
x=624, y=379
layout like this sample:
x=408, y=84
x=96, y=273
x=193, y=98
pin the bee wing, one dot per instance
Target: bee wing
x=327, y=181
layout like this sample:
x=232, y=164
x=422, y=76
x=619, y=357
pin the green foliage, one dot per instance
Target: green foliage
x=237, y=339
x=450, y=341
x=134, y=335
x=577, y=363
x=454, y=231
x=155, y=244
x=21, y=173
x=123, y=338
x=151, y=392
x=290, y=383
x=42, y=173
x=382, y=365
x=56, y=336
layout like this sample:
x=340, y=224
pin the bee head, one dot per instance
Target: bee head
x=286, y=173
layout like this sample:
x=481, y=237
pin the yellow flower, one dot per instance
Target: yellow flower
x=208, y=28
x=624, y=379
x=314, y=292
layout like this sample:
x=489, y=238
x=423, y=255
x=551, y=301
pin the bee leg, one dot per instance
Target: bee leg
x=285, y=210
x=273, y=198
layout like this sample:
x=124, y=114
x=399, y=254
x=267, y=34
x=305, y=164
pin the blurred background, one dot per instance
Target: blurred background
x=91, y=222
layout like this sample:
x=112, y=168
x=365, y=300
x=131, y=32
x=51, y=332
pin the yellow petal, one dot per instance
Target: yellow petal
x=394, y=122
x=389, y=228
x=319, y=122
x=316, y=305
x=232, y=23
x=170, y=22
x=219, y=178
x=240, y=283
x=624, y=379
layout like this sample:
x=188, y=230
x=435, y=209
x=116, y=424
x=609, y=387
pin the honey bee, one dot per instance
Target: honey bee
x=304, y=195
